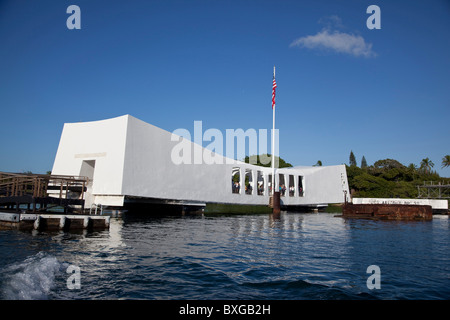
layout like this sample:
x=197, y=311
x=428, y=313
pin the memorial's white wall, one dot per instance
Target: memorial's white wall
x=128, y=157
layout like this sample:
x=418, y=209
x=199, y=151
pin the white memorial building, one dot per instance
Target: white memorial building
x=130, y=161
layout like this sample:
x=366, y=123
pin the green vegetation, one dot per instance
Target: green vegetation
x=281, y=162
x=426, y=165
x=318, y=164
x=352, y=160
x=389, y=178
x=446, y=161
x=363, y=163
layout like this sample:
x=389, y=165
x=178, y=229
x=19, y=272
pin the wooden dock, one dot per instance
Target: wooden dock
x=37, y=192
x=45, y=202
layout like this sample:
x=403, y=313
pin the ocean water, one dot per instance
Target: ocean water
x=253, y=257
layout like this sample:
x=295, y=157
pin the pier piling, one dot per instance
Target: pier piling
x=276, y=205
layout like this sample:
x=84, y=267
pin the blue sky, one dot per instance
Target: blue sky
x=381, y=93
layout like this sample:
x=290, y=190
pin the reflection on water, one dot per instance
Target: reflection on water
x=295, y=256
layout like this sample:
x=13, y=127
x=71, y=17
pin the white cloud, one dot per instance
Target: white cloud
x=337, y=41
x=332, y=22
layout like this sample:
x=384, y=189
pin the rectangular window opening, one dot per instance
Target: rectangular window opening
x=249, y=185
x=282, y=185
x=291, y=186
x=235, y=180
x=301, y=191
x=260, y=183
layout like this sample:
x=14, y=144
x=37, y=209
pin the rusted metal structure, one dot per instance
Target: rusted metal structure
x=37, y=192
x=387, y=211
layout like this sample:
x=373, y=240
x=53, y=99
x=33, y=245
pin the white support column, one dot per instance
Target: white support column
x=303, y=185
x=241, y=180
x=266, y=184
x=295, y=185
x=255, y=182
x=266, y=187
x=286, y=185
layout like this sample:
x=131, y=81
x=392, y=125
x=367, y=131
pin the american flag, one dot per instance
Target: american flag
x=274, y=85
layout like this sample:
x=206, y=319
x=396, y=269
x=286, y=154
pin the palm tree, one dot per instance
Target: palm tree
x=446, y=161
x=426, y=165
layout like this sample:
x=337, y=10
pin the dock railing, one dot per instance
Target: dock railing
x=37, y=185
x=31, y=188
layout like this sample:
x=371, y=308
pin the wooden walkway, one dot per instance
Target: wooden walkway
x=34, y=193
x=27, y=200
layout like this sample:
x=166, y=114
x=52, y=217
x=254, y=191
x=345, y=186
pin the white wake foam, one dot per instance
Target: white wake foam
x=31, y=279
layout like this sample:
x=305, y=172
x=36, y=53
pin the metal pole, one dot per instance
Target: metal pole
x=276, y=206
x=273, y=142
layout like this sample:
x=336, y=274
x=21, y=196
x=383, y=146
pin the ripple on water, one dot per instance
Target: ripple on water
x=299, y=256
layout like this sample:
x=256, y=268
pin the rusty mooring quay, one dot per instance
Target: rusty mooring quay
x=387, y=211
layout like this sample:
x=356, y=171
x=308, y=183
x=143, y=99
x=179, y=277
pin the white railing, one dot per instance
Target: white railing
x=96, y=206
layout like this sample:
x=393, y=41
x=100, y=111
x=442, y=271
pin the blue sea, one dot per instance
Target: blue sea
x=296, y=256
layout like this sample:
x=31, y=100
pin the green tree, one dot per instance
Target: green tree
x=367, y=185
x=363, y=163
x=393, y=174
x=426, y=165
x=255, y=159
x=446, y=161
x=352, y=159
x=388, y=178
x=318, y=164
x=352, y=173
x=388, y=164
x=412, y=171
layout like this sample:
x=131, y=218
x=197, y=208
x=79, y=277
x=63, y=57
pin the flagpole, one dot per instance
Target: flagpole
x=276, y=192
x=273, y=138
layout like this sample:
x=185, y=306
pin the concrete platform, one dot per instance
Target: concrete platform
x=437, y=205
x=30, y=221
